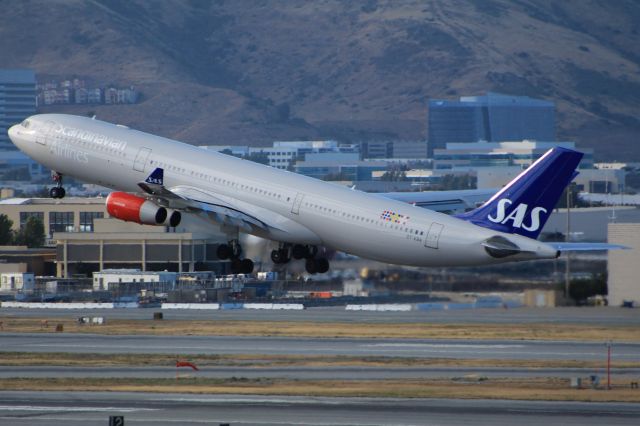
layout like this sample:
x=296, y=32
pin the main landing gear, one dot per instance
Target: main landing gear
x=313, y=264
x=233, y=251
x=58, y=190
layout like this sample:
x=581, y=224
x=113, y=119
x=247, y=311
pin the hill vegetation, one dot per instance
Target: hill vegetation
x=254, y=71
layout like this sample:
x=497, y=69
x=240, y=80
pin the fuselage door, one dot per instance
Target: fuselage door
x=43, y=133
x=433, y=235
x=295, y=208
x=141, y=159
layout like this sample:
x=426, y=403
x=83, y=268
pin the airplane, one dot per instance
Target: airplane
x=157, y=180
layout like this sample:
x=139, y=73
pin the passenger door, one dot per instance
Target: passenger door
x=433, y=236
x=295, y=208
x=141, y=159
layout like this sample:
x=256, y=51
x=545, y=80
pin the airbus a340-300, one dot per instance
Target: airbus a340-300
x=157, y=180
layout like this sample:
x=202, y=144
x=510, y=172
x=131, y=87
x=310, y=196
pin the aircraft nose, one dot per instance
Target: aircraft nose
x=12, y=132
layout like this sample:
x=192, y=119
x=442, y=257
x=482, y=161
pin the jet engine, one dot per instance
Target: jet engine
x=132, y=208
x=173, y=218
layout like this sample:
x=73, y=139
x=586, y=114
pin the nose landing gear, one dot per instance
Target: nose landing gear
x=57, y=191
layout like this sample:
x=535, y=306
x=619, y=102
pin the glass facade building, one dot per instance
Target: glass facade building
x=17, y=101
x=492, y=118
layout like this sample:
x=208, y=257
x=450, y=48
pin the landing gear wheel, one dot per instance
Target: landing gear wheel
x=236, y=266
x=311, y=266
x=298, y=251
x=223, y=252
x=284, y=255
x=246, y=266
x=276, y=256
x=322, y=265
x=57, y=192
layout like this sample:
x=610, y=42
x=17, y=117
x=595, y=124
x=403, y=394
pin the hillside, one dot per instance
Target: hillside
x=251, y=71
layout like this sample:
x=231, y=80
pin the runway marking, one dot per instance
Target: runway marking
x=444, y=345
x=73, y=409
x=148, y=420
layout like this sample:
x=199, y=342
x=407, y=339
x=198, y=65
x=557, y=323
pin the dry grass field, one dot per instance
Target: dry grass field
x=541, y=331
x=516, y=389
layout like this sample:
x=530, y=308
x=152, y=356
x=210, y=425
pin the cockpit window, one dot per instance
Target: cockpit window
x=25, y=124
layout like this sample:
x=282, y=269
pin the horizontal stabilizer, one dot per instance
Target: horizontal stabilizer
x=586, y=246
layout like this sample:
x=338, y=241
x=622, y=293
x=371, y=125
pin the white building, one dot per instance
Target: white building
x=623, y=264
x=16, y=281
x=102, y=279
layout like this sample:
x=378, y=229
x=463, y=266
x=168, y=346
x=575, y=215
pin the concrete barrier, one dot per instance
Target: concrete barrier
x=43, y=305
x=231, y=306
x=275, y=306
x=200, y=306
x=432, y=306
x=396, y=307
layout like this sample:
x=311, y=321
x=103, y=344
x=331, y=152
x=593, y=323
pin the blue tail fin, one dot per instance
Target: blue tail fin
x=524, y=205
x=156, y=177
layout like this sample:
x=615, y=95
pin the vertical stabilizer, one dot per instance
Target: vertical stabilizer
x=524, y=205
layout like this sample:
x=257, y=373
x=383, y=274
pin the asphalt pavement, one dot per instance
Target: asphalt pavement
x=415, y=348
x=94, y=408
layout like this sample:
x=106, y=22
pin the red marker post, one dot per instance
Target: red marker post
x=184, y=364
x=609, y=364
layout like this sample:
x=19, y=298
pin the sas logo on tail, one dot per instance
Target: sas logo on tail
x=518, y=215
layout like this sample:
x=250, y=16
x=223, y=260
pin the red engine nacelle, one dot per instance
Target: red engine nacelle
x=132, y=208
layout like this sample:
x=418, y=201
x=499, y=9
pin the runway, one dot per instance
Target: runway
x=414, y=348
x=82, y=408
x=306, y=373
x=600, y=316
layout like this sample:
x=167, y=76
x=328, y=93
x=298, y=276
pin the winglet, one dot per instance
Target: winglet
x=156, y=177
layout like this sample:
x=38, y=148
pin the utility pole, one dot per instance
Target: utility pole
x=567, y=238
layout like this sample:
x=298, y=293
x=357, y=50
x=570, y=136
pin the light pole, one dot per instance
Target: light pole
x=567, y=272
x=609, y=364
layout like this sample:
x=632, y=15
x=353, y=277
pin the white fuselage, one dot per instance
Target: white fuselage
x=304, y=210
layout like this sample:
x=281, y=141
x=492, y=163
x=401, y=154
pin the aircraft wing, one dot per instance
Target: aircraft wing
x=444, y=200
x=194, y=200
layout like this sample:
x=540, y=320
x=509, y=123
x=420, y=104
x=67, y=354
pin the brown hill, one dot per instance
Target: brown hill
x=249, y=72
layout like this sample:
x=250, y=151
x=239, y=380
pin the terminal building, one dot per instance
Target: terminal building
x=493, y=118
x=86, y=239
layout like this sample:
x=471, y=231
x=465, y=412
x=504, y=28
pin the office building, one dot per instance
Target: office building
x=338, y=166
x=17, y=101
x=492, y=118
x=500, y=154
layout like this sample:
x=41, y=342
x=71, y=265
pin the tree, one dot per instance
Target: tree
x=455, y=182
x=394, y=176
x=258, y=157
x=32, y=234
x=581, y=290
x=6, y=233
